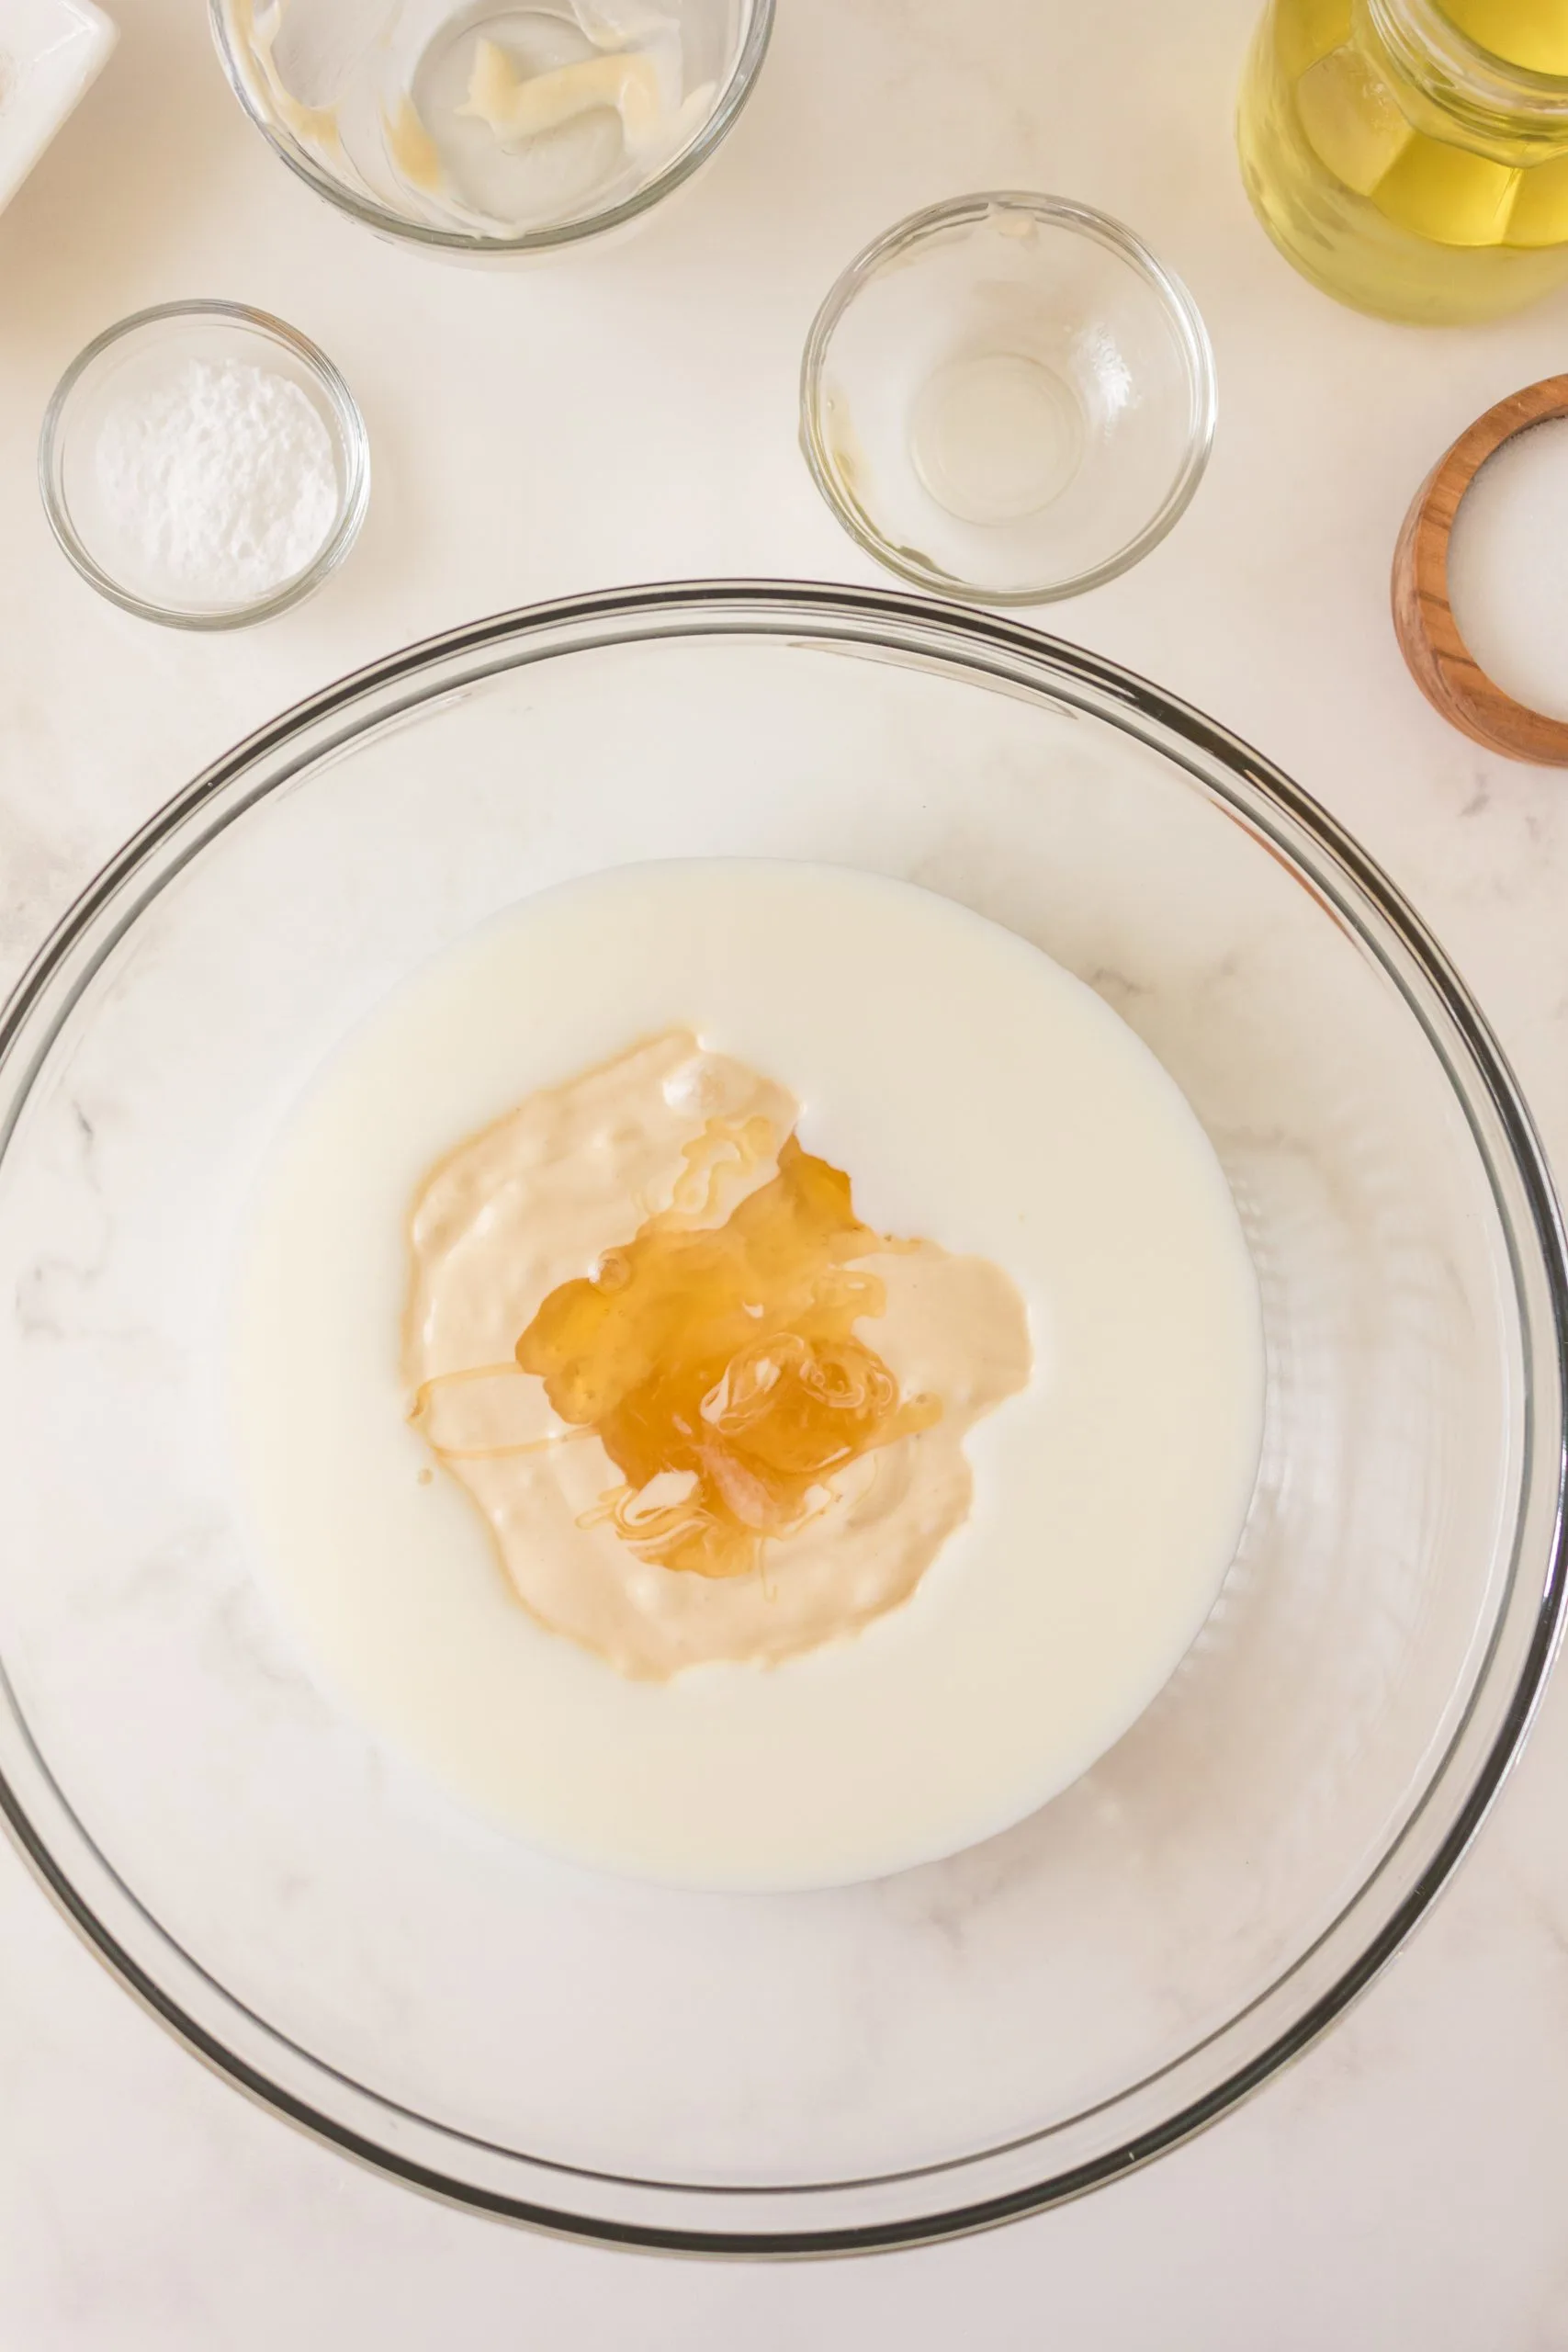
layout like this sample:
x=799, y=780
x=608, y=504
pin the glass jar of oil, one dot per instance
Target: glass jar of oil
x=1411, y=158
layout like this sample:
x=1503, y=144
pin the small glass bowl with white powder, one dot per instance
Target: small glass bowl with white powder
x=204, y=465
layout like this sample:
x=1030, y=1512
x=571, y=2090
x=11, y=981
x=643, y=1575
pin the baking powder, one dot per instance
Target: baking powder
x=221, y=479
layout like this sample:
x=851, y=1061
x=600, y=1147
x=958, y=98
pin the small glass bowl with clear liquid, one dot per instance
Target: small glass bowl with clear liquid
x=1007, y=397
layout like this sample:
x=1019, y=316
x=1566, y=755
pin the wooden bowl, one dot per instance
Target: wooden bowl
x=1441, y=663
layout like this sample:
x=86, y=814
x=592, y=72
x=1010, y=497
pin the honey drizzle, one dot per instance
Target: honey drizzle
x=721, y=1359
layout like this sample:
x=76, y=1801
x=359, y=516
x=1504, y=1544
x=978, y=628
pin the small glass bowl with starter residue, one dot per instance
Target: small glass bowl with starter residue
x=204, y=465
x=1007, y=398
x=493, y=129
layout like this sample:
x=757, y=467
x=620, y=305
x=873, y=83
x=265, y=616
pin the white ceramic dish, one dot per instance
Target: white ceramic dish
x=51, y=52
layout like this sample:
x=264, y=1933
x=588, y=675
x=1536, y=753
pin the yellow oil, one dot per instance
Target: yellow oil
x=1385, y=193
x=1531, y=33
x=728, y=1356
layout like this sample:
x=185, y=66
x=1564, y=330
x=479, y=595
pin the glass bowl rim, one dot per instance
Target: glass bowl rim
x=1078, y=219
x=560, y=235
x=353, y=500
x=1005, y=655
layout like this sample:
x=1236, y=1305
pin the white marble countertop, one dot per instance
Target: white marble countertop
x=631, y=415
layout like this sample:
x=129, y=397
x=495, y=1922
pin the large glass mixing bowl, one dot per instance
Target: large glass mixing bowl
x=968, y=2041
